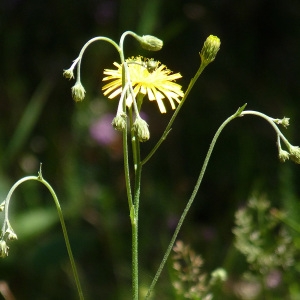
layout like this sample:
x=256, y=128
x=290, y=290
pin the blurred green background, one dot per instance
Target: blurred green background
x=258, y=64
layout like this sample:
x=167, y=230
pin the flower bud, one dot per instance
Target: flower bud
x=3, y=249
x=210, y=49
x=11, y=234
x=140, y=127
x=285, y=122
x=295, y=154
x=283, y=155
x=150, y=42
x=68, y=73
x=78, y=92
x=119, y=121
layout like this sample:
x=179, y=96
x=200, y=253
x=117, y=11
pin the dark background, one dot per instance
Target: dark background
x=258, y=64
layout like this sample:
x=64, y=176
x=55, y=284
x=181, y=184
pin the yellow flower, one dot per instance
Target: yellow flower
x=157, y=82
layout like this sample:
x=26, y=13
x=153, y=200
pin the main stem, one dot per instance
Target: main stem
x=134, y=214
x=133, y=204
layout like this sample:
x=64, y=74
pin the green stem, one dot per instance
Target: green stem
x=61, y=218
x=135, y=278
x=79, y=58
x=125, y=141
x=134, y=222
x=133, y=206
x=190, y=202
x=270, y=121
x=135, y=216
x=168, y=128
x=121, y=44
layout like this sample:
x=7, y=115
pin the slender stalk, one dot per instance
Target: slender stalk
x=61, y=218
x=135, y=209
x=121, y=44
x=191, y=200
x=135, y=278
x=137, y=188
x=125, y=132
x=64, y=229
x=135, y=213
x=268, y=119
x=168, y=128
x=99, y=38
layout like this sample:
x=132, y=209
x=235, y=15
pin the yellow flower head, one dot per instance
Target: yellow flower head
x=156, y=82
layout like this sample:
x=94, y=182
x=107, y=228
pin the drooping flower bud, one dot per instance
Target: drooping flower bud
x=210, y=49
x=78, y=92
x=3, y=249
x=68, y=74
x=295, y=154
x=11, y=234
x=283, y=155
x=119, y=121
x=150, y=42
x=141, y=129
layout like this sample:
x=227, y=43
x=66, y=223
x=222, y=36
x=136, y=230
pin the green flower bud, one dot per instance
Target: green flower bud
x=3, y=249
x=210, y=49
x=141, y=129
x=283, y=155
x=119, y=121
x=78, y=92
x=68, y=73
x=11, y=234
x=285, y=122
x=150, y=42
x=295, y=154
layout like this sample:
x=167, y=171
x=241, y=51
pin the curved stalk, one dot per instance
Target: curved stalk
x=99, y=38
x=61, y=218
x=270, y=121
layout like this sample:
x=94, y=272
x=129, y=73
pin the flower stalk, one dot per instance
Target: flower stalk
x=6, y=228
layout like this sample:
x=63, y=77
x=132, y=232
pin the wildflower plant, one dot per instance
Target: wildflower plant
x=190, y=282
x=266, y=243
x=255, y=237
x=132, y=81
